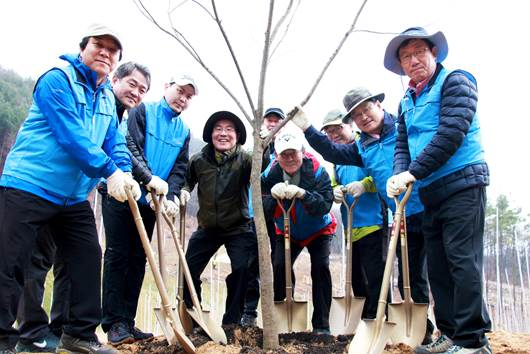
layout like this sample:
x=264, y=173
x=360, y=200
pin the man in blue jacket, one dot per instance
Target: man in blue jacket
x=439, y=147
x=368, y=228
x=298, y=175
x=66, y=144
x=374, y=151
x=130, y=83
x=158, y=139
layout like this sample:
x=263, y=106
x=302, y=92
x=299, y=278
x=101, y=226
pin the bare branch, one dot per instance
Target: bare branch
x=286, y=29
x=170, y=11
x=184, y=43
x=264, y=64
x=205, y=9
x=346, y=35
x=236, y=62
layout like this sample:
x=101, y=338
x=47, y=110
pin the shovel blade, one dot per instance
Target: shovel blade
x=410, y=327
x=210, y=327
x=185, y=319
x=299, y=320
x=164, y=322
x=369, y=339
x=342, y=321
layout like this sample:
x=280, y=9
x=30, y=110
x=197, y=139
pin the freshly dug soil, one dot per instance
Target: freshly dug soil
x=250, y=340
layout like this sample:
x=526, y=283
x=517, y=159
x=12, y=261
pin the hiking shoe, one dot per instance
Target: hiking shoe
x=456, y=349
x=320, y=331
x=441, y=345
x=72, y=345
x=119, y=333
x=249, y=320
x=139, y=335
x=44, y=345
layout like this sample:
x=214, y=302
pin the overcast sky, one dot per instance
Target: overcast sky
x=487, y=38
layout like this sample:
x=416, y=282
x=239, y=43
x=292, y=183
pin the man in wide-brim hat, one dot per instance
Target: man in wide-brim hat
x=374, y=151
x=221, y=171
x=439, y=147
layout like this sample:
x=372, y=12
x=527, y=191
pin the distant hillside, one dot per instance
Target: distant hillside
x=15, y=99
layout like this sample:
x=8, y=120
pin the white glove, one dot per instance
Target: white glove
x=278, y=190
x=172, y=209
x=338, y=195
x=292, y=191
x=397, y=184
x=158, y=185
x=264, y=133
x=149, y=199
x=116, y=185
x=300, y=119
x=356, y=189
x=185, y=197
x=133, y=185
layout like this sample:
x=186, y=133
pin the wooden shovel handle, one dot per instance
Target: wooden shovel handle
x=168, y=309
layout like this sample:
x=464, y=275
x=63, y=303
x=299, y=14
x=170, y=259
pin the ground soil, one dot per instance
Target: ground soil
x=250, y=340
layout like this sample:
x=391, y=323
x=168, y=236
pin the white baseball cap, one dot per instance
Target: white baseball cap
x=183, y=80
x=98, y=29
x=287, y=139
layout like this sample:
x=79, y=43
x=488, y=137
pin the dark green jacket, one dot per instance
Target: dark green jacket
x=222, y=190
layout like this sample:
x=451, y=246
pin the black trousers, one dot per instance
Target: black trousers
x=73, y=227
x=202, y=246
x=32, y=319
x=253, y=286
x=319, y=251
x=368, y=267
x=454, y=232
x=124, y=260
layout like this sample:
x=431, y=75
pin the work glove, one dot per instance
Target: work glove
x=397, y=184
x=356, y=189
x=185, y=197
x=116, y=185
x=264, y=133
x=338, y=195
x=133, y=185
x=300, y=119
x=293, y=191
x=278, y=190
x=172, y=209
x=158, y=185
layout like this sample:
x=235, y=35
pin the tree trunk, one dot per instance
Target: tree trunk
x=270, y=333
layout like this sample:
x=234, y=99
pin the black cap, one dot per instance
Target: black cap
x=274, y=110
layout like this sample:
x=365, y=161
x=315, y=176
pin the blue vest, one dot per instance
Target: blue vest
x=422, y=118
x=302, y=224
x=39, y=165
x=378, y=160
x=367, y=212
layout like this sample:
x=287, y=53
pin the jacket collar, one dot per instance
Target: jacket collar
x=166, y=109
x=389, y=126
x=89, y=77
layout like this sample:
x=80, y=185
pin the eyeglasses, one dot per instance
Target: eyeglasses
x=333, y=130
x=419, y=53
x=362, y=111
x=229, y=130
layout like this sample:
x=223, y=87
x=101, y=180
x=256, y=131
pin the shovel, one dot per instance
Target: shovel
x=410, y=318
x=372, y=335
x=292, y=314
x=215, y=332
x=345, y=312
x=170, y=317
x=159, y=312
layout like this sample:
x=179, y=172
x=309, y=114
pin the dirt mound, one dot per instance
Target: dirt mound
x=250, y=340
